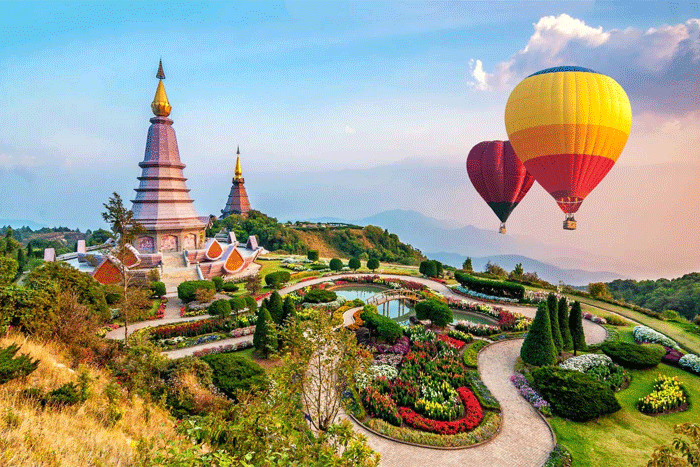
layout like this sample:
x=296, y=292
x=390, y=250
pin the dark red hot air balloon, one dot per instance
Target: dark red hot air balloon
x=498, y=175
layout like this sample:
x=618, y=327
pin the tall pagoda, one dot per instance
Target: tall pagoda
x=163, y=205
x=238, y=198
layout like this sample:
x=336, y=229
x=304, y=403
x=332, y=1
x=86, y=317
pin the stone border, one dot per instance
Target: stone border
x=426, y=446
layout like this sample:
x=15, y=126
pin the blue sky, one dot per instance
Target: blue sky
x=318, y=86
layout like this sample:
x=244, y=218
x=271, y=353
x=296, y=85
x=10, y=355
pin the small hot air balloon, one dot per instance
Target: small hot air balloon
x=568, y=125
x=499, y=177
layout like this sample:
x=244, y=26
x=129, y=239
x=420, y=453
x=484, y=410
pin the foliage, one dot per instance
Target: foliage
x=271, y=234
x=8, y=270
x=204, y=296
x=598, y=290
x=220, y=308
x=158, y=289
x=668, y=395
x=277, y=278
x=681, y=294
x=471, y=354
x=578, y=338
x=335, y=264
x=320, y=296
x=482, y=393
x=600, y=367
x=538, y=348
x=275, y=307
x=354, y=263
x=380, y=406
x=634, y=355
x=187, y=290
x=559, y=457
x=12, y=367
x=312, y=255
x=230, y=287
x=252, y=284
x=491, y=287
x=218, y=283
x=495, y=270
x=647, y=334
x=553, y=307
x=690, y=362
x=574, y=395
x=467, y=265
x=434, y=310
x=462, y=336
x=265, y=337
x=385, y=328
x=681, y=452
x=233, y=373
x=288, y=310
x=372, y=263
x=431, y=268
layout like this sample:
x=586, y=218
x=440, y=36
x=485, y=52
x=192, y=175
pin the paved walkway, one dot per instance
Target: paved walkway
x=186, y=352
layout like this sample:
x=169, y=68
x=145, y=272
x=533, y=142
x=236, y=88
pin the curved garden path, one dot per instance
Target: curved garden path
x=525, y=439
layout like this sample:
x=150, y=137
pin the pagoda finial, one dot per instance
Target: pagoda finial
x=238, y=149
x=238, y=173
x=160, y=105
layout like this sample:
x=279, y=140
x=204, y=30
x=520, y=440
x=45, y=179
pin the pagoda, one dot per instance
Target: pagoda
x=238, y=198
x=163, y=205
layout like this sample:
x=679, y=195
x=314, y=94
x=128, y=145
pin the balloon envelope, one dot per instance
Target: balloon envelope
x=568, y=125
x=498, y=176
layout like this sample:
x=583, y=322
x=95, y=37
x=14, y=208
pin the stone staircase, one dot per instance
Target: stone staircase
x=173, y=260
x=176, y=271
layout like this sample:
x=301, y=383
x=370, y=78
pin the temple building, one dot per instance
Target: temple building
x=238, y=198
x=163, y=205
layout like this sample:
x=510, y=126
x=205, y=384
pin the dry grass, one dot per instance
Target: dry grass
x=75, y=436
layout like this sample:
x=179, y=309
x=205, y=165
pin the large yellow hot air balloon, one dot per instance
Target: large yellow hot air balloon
x=568, y=125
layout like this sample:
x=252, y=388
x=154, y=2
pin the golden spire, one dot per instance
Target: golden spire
x=160, y=105
x=238, y=173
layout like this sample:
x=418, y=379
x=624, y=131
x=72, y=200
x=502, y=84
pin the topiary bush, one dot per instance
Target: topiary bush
x=335, y=264
x=634, y=355
x=320, y=296
x=218, y=283
x=230, y=287
x=574, y=395
x=312, y=255
x=490, y=287
x=158, y=289
x=237, y=304
x=538, y=348
x=386, y=328
x=220, y=308
x=232, y=373
x=187, y=291
x=434, y=310
x=276, y=279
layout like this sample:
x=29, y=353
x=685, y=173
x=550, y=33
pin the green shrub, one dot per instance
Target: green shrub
x=232, y=373
x=158, y=289
x=471, y=353
x=237, y=303
x=538, y=348
x=187, y=291
x=576, y=327
x=490, y=287
x=574, y=395
x=12, y=367
x=251, y=303
x=218, y=283
x=354, y=264
x=386, y=328
x=275, y=307
x=434, y=310
x=553, y=306
x=220, y=308
x=312, y=255
x=318, y=266
x=634, y=355
x=336, y=264
x=567, y=342
x=372, y=263
x=320, y=296
x=65, y=395
x=276, y=279
x=230, y=287
x=265, y=336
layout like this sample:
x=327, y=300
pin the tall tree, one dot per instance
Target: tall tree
x=599, y=290
x=518, y=271
x=253, y=284
x=566, y=341
x=275, y=307
x=288, y=310
x=553, y=307
x=576, y=327
x=125, y=228
x=538, y=348
x=265, y=336
x=467, y=265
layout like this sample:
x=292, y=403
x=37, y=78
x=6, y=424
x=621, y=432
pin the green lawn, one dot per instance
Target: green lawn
x=627, y=438
x=673, y=330
x=271, y=266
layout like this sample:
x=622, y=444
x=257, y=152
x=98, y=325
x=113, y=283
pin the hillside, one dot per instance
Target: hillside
x=344, y=241
x=681, y=294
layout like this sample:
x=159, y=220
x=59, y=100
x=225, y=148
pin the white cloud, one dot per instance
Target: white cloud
x=349, y=130
x=658, y=67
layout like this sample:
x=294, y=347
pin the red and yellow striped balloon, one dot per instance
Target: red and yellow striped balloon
x=568, y=125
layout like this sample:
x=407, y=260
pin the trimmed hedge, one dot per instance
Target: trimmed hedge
x=220, y=308
x=386, y=328
x=320, y=296
x=574, y=395
x=434, y=310
x=490, y=287
x=275, y=279
x=634, y=355
x=187, y=290
x=471, y=353
x=232, y=373
x=230, y=287
x=218, y=283
x=158, y=289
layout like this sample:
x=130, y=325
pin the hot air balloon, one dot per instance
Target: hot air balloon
x=499, y=177
x=568, y=125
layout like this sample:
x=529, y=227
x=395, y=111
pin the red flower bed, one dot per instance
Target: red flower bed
x=473, y=414
x=260, y=297
x=456, y=343
x=308, y=278
x=160, y=312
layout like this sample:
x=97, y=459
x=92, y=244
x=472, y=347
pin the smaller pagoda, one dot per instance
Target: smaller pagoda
x=238, y=198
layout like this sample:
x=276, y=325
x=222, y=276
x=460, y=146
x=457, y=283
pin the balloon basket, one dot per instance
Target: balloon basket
x=502, y=229
x=570, y=224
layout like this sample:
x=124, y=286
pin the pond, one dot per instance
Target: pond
x=397, y=309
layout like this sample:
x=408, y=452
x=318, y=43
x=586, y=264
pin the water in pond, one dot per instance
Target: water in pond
x=397, y=310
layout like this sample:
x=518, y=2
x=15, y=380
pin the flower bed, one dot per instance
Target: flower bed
x=462, y=336
x=456, y=343
x=160, y=312
x=690, y=362
x=507, y=321
x=530, y=395
x=470, y=293
x=668, y=396
x=224, y=348
x=473, y=414
x=644, y=334
x=672, y=356
x=477, y=329
x=197, y=328
x=583, y=363
x=601, y=367
x=594, y=318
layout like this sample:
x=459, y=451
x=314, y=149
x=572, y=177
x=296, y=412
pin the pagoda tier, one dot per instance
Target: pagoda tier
x=237, y=202
x=163, y=205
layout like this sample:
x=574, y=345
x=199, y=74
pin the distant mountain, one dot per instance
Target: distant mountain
x=552, y=274
x=17, y=223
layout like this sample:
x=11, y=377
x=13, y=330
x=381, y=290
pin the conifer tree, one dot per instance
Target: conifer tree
x=275, y=307
x=265, y=337
x=576, y=328
x=288, y=310
x=553, y=308
x=567, y=342
x=538, y=348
